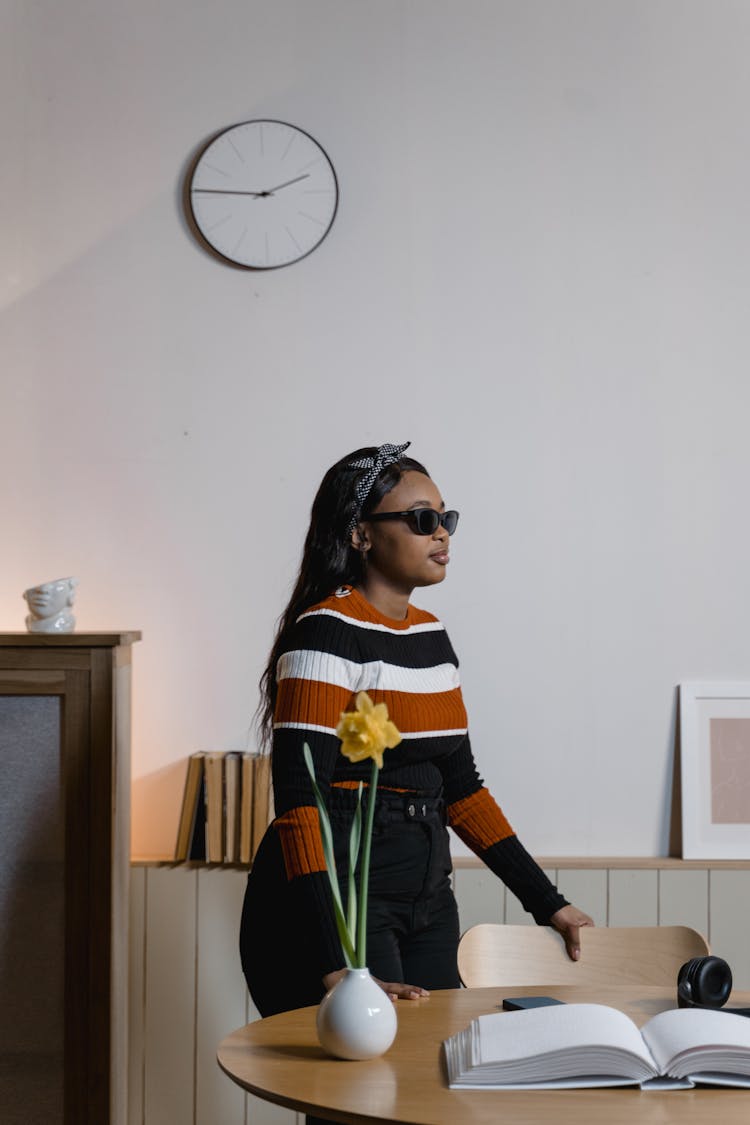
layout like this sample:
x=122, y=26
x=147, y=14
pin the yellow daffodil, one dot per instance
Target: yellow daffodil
x=367, y=732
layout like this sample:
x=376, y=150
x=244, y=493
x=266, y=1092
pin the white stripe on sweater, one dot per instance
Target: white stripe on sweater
x=404, y=734
x=424, y=627
x=374, y=675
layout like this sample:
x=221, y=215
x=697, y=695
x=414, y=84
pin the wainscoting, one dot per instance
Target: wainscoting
x=187, y=991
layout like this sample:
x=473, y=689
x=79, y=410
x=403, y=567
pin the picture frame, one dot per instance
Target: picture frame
x=715, y=769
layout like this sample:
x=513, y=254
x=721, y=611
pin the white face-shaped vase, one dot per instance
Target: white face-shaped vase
x=49, y=606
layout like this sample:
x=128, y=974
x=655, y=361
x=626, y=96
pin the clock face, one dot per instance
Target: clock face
x=263, y=194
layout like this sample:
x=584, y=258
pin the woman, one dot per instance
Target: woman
x=378, y=529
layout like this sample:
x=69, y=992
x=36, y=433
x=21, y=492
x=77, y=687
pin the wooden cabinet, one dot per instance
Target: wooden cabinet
x=64, y=856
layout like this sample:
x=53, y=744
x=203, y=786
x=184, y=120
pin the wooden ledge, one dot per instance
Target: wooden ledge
x=69, y=640
x=559, y=863
x=620, y=863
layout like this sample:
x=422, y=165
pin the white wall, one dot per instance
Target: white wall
x=539, y=274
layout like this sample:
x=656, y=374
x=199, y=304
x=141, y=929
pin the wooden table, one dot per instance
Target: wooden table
x=279, y=1059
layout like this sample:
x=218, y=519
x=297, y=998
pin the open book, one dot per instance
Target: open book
x=570, y=1045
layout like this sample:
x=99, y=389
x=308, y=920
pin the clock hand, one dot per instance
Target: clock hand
x=288, y=182
x=256, y=194
x=225, y=191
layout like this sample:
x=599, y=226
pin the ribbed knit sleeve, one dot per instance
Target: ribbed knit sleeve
x=478, y=820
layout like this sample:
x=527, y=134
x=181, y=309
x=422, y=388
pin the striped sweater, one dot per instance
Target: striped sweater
x=342, y=646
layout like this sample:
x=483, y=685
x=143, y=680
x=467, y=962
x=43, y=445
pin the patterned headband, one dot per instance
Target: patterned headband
x=386, y=455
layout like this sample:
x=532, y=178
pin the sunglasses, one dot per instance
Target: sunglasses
x=422, y=521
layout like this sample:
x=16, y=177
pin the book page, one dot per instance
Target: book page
x=686, y=1040
x=594, y=1039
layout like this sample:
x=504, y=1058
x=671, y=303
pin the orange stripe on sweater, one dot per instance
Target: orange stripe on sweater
x=299, y=833
x=310, y=701
x=429, y=711
x=356, y=785
x=320, y=704
x=479, y=821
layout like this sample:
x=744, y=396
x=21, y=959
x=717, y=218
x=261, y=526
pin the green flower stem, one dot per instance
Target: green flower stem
x=355, y=837
x=345, y=932
x=361, y=942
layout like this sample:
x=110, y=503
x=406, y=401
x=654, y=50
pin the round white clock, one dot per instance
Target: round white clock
x=263, y=194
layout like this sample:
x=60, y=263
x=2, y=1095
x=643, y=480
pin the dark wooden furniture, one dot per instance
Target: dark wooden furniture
x=64, y=856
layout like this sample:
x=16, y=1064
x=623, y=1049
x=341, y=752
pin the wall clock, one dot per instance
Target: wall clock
x=263, y=194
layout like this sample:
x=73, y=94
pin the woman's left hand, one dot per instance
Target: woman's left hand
x=568, y=922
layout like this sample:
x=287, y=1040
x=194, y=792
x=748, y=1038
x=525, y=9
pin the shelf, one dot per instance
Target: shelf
x=559, y=863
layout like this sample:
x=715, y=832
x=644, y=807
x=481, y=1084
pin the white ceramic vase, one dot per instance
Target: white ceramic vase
x=356, y=1019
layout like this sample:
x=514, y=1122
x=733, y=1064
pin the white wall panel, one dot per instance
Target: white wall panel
x=683, y=899
x=633, y=898
x=480, y=896
x=730, y=922
x=136, y=993
x=220, y=993
x=586, y=889
x=171, y=951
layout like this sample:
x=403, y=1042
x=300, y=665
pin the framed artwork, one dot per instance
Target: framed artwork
x=715, y=770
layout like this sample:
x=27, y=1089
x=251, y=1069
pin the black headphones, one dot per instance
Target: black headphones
x=705, y=982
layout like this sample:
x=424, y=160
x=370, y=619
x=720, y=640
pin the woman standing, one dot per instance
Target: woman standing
x=378, y=530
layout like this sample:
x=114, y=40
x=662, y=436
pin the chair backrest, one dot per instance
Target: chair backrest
x=491, y=954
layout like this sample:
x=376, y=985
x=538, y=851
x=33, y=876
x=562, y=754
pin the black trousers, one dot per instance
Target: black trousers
x=412, y=918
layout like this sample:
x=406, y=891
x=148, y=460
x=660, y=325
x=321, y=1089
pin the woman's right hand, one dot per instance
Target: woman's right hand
x=394, y=989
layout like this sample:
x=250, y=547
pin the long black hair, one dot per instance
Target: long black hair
x=328, y=558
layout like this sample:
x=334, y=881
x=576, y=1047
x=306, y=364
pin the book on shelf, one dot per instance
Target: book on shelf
x=198, y=837
x=261, y=798
x=226, y=807
x=192, y=813
x=580, y=1045
x=214, y=773
x=246, y=808
x=232, y=791
x=255, y=811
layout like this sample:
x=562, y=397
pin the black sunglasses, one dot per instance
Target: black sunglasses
x=423, y=521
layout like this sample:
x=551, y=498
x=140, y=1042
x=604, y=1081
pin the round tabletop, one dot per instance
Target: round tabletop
x=279, y=1059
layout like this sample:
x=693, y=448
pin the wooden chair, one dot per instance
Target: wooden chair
x=491, y=954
